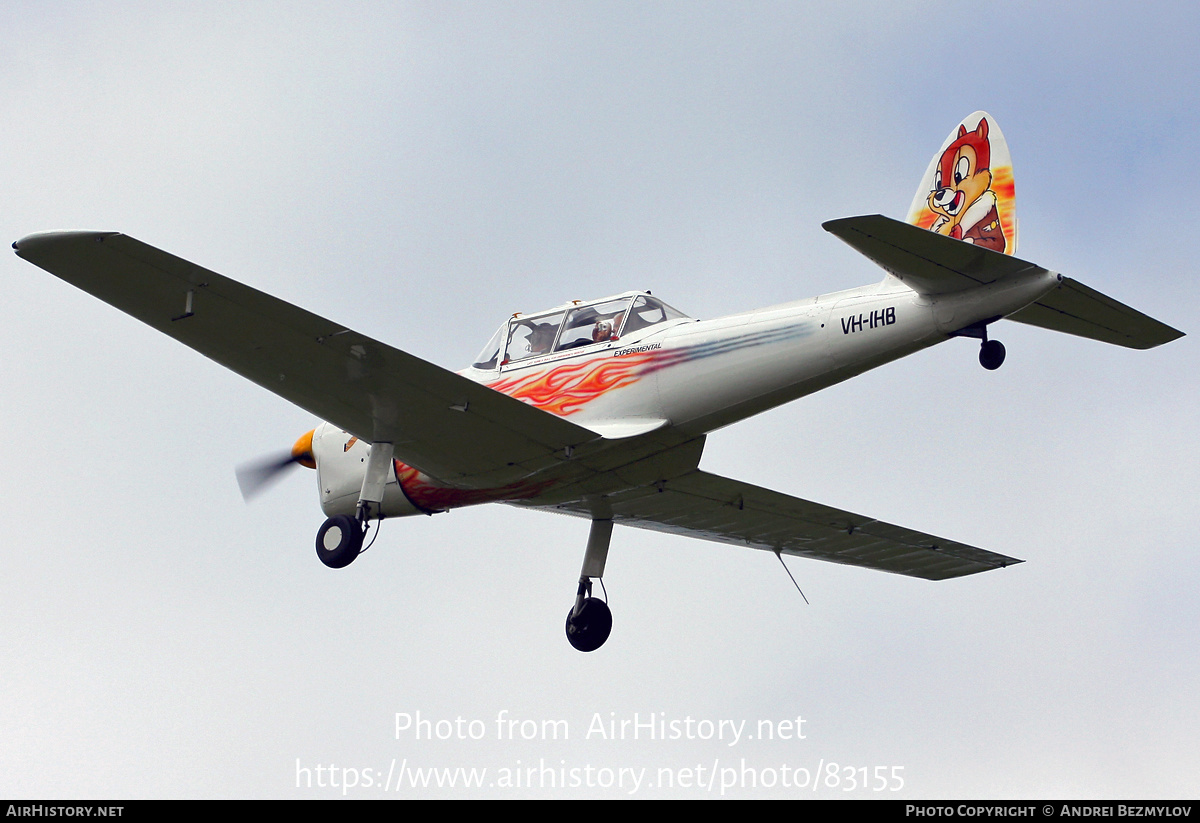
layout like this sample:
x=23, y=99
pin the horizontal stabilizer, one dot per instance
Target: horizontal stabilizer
x=933, y=265
x=926, y=262
x=1074, y=308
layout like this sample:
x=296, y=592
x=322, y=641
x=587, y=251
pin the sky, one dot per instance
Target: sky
x=418, y=172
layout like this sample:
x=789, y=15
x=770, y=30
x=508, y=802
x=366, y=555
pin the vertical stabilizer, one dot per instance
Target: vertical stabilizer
x=967, y=191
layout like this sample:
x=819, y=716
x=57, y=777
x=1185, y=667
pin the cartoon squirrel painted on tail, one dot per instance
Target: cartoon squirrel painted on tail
x=967, y=191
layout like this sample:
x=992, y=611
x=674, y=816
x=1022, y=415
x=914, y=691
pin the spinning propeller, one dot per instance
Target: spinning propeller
x=257, y=475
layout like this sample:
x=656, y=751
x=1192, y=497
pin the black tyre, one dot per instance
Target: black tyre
x=339, y=541
x=991, y=355
x=588, y=630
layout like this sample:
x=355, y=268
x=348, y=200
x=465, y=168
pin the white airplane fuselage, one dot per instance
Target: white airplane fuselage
x=684, y=378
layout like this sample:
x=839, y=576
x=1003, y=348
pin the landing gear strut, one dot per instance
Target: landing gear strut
x=589, y=622
x=991, y=352
x=340, y=538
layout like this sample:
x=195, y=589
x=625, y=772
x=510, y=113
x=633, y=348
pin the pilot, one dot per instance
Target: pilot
x=541, y=338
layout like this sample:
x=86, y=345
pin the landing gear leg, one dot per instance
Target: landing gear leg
x=991, y=352
x=340, y=539
x=370, y=499
x=589, y=622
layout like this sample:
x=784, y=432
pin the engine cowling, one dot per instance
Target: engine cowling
x=341, y=460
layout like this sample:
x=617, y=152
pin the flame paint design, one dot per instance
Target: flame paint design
x=1006, y=197
x=567, y=389
x=564, y=390
x=424, y=493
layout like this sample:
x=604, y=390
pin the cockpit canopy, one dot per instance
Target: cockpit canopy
x=573, y=326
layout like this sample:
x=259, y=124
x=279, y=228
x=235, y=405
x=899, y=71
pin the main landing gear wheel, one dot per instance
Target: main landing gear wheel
x=339, y=541
x=588, y=630
x=991, y=354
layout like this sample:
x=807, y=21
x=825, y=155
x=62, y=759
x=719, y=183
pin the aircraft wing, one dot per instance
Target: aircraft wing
x=441, y=422
x=708, y=506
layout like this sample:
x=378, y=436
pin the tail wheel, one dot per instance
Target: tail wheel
x=991, y=355
x=339, y=541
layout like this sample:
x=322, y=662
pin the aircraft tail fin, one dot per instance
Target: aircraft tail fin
x=967, y=191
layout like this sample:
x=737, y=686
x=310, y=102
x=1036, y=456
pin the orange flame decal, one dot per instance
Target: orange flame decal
x=567, y=389
x=1006, y=198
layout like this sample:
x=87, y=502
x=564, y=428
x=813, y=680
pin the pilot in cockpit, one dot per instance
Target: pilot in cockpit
x=541, y=337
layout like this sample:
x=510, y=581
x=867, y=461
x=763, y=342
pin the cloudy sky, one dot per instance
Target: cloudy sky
x=418, y=172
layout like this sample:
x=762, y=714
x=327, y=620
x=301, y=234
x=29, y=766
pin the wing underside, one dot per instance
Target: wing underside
x=711, y=507
x=441, y=422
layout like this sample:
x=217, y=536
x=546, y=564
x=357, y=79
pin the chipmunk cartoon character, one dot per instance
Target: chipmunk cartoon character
x=962, y=193
x=967, y=192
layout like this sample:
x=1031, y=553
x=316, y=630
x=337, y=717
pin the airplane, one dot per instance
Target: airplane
x=600, y=408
